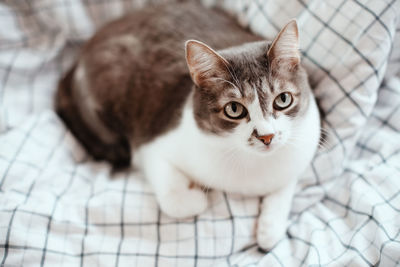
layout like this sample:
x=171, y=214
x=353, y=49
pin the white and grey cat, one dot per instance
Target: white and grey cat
x=241, y=118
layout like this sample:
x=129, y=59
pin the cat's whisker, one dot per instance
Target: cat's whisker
x=236, y=78
x=205, y=189
x=297, y=139
x=223, y=80
x=295, y=144
x=228, y=151
x=324, y=143
x=233, y=74
x=228, y=155
x=326, y=131
x=235, y=161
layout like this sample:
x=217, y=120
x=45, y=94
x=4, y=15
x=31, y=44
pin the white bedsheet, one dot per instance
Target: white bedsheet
x=60, y=208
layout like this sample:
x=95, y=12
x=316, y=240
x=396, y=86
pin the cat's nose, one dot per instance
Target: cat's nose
x=266, y=139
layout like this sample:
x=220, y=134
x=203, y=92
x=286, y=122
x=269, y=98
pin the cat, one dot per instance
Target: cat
x=193, y=97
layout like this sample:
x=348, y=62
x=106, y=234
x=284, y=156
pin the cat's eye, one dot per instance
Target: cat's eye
x=283, y=101
x=235, y=110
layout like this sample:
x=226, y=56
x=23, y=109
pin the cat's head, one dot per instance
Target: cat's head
x=254, y=94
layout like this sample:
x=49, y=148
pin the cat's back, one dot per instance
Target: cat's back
x=150, y=42
x=172, y=24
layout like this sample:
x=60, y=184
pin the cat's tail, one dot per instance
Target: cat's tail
x=117, y=152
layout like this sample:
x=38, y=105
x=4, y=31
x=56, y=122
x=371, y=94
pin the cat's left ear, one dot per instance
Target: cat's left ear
x=204, y=63
x=284, y=50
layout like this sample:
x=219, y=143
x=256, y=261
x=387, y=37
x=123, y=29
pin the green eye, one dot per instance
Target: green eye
x=283, y=101
x=235, y=110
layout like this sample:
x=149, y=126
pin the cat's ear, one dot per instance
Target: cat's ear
x=204, y=63
x=284, y=50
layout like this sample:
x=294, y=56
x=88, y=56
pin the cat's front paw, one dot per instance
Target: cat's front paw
x=270, y=231
x=183, y=203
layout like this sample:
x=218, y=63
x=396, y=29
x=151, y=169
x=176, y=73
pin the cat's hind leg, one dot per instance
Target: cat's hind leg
x=172, y=188
x=116, y=149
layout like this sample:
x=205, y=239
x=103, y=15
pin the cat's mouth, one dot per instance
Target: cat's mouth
x=260, y=146
x=266, y=148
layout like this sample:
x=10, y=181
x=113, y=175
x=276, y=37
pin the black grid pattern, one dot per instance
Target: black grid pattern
x=58, y=208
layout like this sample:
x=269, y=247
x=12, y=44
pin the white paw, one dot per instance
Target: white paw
x=270, y=230
x=183, y=203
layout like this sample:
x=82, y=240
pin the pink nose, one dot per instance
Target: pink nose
x=266, y=139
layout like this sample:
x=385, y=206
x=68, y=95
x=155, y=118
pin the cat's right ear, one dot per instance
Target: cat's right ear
x=204, y=63
x=284, y=50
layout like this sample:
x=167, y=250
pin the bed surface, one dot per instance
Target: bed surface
x=60, y=208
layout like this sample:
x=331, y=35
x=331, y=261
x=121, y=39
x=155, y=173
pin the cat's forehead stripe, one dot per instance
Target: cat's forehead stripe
x=263, y=101
x=265, y=85
x=255, y=111
x=234, y=93
x=248, y=91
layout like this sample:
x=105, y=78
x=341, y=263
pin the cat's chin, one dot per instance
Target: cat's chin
x=263, y=150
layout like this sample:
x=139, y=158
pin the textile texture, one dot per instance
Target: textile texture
x=60, y=208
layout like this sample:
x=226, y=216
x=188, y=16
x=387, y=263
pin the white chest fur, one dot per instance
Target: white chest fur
x=207, y=160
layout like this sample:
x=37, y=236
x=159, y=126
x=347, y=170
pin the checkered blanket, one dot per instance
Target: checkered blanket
x=60, y=208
